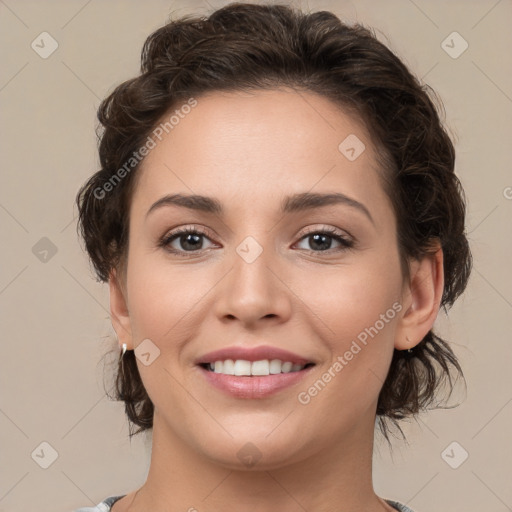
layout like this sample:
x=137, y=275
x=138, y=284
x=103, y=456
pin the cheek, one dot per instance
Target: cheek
x=361, y=301
x=161, y=296
x=359, y=304
x=353, y=297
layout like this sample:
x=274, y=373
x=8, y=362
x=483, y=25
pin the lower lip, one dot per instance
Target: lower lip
x=254, y=387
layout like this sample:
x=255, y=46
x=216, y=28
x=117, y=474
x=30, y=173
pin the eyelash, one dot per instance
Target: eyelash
x=346, y=243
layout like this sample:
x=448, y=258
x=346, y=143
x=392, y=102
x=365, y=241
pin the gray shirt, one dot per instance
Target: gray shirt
x=107, y=503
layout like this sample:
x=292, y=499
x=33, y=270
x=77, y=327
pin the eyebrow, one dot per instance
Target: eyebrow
x=291, y=204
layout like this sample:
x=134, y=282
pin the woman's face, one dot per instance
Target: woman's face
x=260, y=275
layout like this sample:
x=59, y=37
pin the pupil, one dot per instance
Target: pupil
x=323, y=245
x=191, y=235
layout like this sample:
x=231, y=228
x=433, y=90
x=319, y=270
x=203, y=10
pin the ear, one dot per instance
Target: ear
x=119, y=313
x=421, y=299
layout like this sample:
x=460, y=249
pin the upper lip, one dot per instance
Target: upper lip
x=252, y=354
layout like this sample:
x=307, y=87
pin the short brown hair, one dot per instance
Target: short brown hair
x=250, y=47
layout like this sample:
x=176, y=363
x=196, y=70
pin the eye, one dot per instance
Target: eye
x=190, y=239
x=321, y=240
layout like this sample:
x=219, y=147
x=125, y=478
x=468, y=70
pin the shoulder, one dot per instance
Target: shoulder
x=107, y=503
x=399, y=506
x=104, y=506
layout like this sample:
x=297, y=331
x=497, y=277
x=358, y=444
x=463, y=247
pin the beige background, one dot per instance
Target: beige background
x=55, y=321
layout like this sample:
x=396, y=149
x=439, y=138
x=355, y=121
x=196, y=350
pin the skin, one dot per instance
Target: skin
x=249, y=151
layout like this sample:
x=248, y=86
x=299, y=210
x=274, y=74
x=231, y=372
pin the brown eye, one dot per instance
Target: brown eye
x=188, y=240
x=322, y=241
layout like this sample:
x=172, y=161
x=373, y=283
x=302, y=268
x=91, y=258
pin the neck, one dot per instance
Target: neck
x=339, y=477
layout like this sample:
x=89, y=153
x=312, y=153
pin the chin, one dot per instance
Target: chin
x=254, y=453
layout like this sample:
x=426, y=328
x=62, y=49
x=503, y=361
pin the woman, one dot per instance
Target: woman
x=279, y=222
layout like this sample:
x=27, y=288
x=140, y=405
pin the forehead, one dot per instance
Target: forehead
x=260, y=146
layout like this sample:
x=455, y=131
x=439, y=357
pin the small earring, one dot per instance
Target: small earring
x=122, y=360
x=409, y=350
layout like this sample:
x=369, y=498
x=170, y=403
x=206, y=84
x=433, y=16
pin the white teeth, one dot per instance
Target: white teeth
x=242, y=367
x=228, y=367
x=263, y=367
x=260, y=367
x=287, y=367
x=275, y=366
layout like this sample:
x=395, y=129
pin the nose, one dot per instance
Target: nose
x=254, y=291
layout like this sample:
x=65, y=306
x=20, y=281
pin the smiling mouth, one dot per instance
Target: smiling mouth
x=262, y=368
